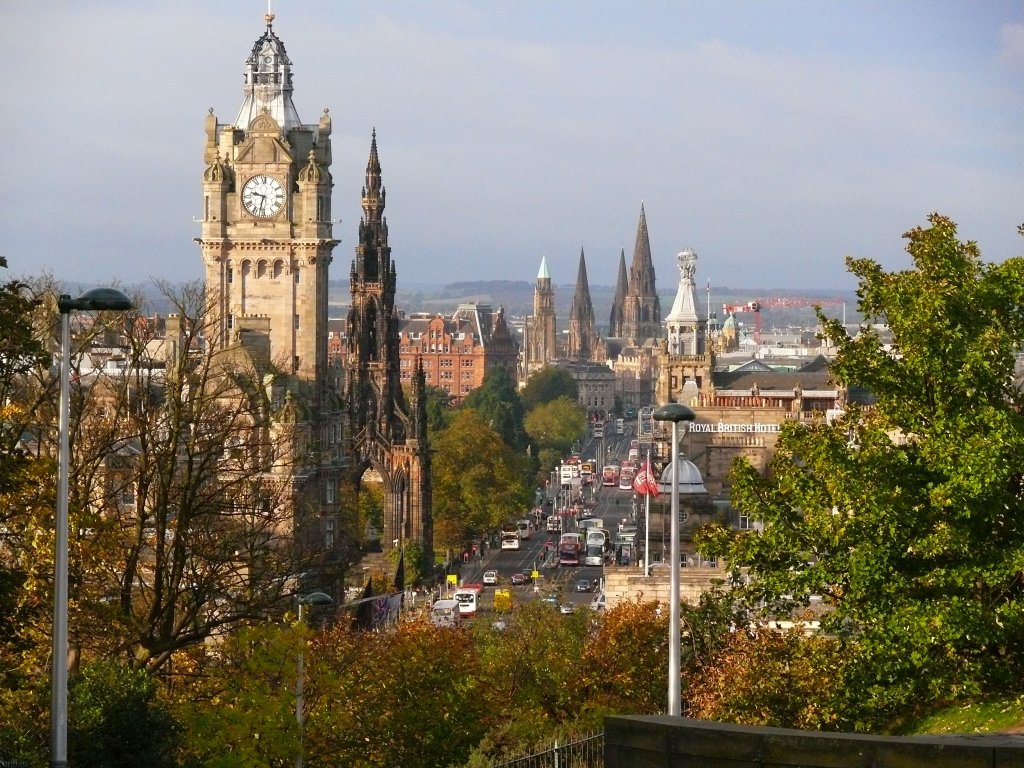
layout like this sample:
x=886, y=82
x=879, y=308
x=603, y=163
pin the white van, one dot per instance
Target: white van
x=446, y=613
x=468, y=600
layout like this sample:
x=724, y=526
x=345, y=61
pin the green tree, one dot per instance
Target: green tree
x=116, y=718
x=411, y=696
x=907, y=517
x=556, y=425
x=236, y=701
x=546, y=385
x=497, y=402
x=439, y=407
x=476, y=482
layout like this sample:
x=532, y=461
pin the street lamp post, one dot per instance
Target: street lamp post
x=675, y=413
x=314, y=598
x=98, y=299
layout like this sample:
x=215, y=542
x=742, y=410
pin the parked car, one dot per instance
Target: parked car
x=567, y=608
x=490, y=578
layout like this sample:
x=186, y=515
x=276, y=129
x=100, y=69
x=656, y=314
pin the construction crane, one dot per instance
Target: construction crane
x=779, y=302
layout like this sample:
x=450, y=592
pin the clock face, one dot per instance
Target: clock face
x=263, y=196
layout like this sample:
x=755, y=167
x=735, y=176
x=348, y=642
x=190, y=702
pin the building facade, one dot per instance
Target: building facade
x=456, y=352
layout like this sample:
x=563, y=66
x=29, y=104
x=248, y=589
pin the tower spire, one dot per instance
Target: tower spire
x=621, y=289
x=582, y=341
x=642, y=307
x=267, y=82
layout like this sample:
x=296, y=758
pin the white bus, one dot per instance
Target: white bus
x=467, y=600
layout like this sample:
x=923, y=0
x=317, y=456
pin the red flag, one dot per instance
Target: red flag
x=653, y=487
x=640, y=482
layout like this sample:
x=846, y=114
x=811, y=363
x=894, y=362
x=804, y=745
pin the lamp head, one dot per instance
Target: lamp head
x=674, y=412
x=97, y=299
x=315, y=598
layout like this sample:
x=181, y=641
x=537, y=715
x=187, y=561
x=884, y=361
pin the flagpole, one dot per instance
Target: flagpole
x=647, y=521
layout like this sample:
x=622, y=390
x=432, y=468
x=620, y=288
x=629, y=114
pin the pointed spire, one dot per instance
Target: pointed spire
x=267, y=82
x=642, y=308
x=581, y=316
x=543, y=273
x=621, y=290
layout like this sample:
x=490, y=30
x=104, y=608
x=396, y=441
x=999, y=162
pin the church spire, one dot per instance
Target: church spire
x=621, y=289
x=581, y=342
x=642, y=308
x=267, y=83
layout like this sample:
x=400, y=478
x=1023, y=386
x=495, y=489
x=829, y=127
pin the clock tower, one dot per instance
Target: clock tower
x=266, y=227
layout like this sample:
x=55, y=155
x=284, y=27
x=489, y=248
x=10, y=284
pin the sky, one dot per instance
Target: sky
x=772, y=138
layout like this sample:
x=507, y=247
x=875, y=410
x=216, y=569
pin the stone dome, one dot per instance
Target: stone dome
x=690, y=480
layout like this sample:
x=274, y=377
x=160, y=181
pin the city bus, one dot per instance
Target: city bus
x=626, y=475
x=587, y=472
x=610, y=476
x=570, y=548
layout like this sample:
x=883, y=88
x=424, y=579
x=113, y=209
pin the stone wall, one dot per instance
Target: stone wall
x=627, y=583
x=662, y=741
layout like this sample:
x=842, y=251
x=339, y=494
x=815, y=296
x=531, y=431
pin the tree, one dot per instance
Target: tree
x=556, y=425
x=236, y=701
x=182, y=513
x=116, y=718
x=497, y=402
x=439, y=404
x=780, y=679
x=476, y=485
x=546, y=385
x=907, y=517
x=413, y=696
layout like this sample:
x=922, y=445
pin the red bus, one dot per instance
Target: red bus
x=610, y=476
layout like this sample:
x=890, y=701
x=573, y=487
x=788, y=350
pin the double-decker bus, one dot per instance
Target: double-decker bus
x=570, y=549
x=610, y=476
x=587, y=472
x=626, y=475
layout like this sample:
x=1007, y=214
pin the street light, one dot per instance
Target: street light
x=674, y=412
x=313, y=598
x=98, y=299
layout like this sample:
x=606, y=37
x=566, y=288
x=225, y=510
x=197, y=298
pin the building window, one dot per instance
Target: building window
x=329, y=533
x=296, y=322
x=231, y=322
x=329, y=491
x=296, y=274
x=231, y=275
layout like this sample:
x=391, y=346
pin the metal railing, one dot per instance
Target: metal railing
x=585, y=752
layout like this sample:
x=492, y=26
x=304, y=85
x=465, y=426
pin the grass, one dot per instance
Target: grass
x=993, y=716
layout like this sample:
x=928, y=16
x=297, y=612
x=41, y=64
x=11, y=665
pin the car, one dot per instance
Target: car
x=567, y=608
x=490, y=578
x=551, y=600
x=598, y=603
x=518, y=579
x=584, y=585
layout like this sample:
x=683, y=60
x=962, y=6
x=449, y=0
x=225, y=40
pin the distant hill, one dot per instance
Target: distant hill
x=516, y=296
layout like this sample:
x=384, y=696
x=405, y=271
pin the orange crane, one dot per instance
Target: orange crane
x=779, y=302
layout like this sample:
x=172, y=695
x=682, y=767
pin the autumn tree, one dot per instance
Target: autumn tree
x=907, y=517
x=476, y=485
x=181, y=502
x=772, y=678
